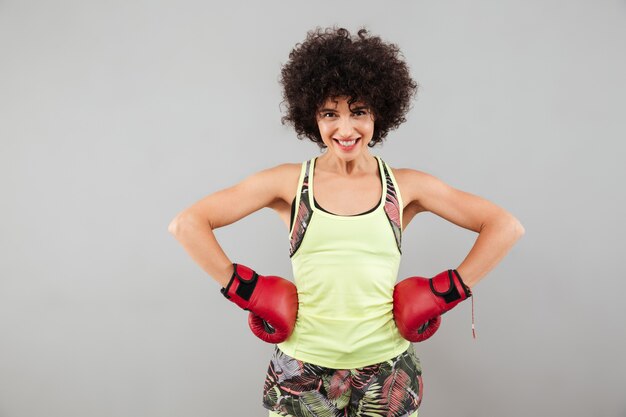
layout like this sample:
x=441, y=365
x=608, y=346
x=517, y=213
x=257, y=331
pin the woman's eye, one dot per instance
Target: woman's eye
x=356, y=113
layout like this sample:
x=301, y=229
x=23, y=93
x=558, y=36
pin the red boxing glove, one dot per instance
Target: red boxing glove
x=418, y=300
x=272, y=302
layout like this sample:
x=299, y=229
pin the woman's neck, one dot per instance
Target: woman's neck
x=362, y=164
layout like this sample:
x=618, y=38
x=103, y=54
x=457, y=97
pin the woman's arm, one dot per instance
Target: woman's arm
x=193, y=227
x=497, y=229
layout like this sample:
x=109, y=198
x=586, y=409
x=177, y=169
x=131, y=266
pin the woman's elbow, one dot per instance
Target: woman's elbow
x=172, y=227
x=518, y=228
x=175, y=225
x=187, y=221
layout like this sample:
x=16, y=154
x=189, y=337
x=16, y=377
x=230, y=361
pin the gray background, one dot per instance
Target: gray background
x=117, y=115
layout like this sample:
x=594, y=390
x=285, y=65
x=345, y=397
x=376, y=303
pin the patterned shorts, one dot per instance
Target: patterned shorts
x=299, y=389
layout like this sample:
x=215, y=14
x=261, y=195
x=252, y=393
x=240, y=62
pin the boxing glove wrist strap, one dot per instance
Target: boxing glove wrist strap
x=448, y=288
x=241, y=285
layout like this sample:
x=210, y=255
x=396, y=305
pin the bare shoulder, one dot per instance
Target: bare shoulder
x=270, y=187
x=426, y=192
x=278, y=182
x=410, y=182
x=287, y=176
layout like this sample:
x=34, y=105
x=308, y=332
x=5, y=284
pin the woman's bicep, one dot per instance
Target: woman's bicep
x=231, y=204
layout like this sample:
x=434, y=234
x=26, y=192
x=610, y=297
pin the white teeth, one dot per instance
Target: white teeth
x=347, y=142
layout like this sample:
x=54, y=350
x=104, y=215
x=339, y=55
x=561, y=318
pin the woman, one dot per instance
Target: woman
x=343, y=332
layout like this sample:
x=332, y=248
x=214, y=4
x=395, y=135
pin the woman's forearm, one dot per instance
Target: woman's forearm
x=494, y=241
x=199, y=241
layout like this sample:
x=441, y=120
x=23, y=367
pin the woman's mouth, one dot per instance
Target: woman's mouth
x=347, y=145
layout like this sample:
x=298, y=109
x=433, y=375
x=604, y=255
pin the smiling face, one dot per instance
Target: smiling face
x=345, y=129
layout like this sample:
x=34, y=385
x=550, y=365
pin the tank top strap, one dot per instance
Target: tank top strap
x=393, y=205
x=303, y=212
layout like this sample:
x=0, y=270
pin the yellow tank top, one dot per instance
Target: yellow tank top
x=345, y=268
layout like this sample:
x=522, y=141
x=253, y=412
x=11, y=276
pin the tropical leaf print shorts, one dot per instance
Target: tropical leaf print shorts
x=299, y=389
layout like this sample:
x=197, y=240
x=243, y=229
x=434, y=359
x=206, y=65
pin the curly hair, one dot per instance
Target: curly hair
x=329, y=63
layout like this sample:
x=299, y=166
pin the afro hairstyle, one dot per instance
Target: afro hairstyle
x=331, y=63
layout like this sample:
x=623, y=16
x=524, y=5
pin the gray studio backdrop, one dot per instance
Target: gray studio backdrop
x=115, y=116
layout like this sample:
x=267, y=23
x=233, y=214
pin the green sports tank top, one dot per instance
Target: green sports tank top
x=345, y=268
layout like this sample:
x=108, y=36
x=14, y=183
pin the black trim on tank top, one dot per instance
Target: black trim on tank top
x=293, y=204
x=344, y=215
x=293, y=210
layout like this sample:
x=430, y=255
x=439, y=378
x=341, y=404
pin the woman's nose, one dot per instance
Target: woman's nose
x=345, y=127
